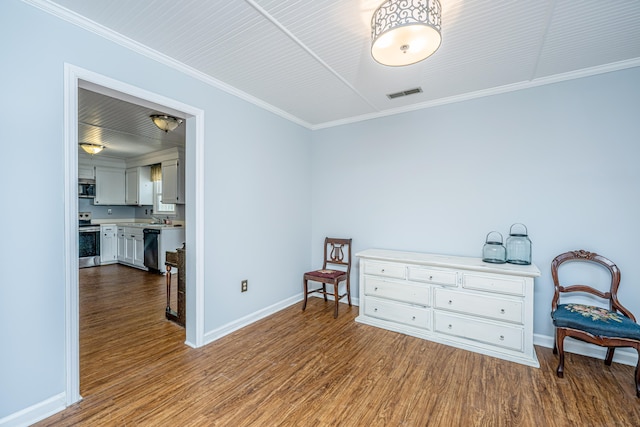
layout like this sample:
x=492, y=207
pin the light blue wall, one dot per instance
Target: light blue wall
x=257, y=194
x=562, y=159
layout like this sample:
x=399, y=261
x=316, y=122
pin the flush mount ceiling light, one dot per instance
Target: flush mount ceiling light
x=91, y=148
x=166, y=123
x=404, y=32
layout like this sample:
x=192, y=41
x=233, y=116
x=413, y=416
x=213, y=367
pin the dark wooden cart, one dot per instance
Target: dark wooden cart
x=176, y=260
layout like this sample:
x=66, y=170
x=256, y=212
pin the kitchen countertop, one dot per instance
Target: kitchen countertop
x=144, y=225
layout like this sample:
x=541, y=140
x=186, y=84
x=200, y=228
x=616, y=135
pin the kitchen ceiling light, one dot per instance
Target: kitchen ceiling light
x=166, y=123
x=404, y=32
x=91, y=148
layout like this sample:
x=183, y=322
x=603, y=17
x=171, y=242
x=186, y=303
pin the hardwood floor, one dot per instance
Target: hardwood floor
x=308, y=369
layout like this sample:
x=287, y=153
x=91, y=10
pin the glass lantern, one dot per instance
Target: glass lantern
x=493, y=250
x=518, y=245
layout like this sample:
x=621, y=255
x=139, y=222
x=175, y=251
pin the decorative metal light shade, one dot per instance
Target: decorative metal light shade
x=91, y=148
x=404, y=32
x=166, y=123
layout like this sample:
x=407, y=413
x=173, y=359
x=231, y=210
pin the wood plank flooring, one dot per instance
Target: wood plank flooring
x=306, y=369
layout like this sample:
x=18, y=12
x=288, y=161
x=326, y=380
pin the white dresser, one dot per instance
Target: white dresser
x=457, y=301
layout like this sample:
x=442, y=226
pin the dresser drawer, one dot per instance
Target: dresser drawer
x=486, y=306
x=385, y=269
x=398, y=312
x=510, y=337
x=398, y=291
x=440, y=277
x=504, y=285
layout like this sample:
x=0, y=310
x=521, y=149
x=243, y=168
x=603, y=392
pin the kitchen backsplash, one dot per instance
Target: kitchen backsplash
x=125, y=212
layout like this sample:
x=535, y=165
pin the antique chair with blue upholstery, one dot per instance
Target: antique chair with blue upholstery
x=610, y=327
x=335, y=257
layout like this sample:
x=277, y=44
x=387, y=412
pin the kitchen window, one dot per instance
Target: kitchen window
x=158, y=206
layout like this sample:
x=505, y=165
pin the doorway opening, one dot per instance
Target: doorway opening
x=75, y=79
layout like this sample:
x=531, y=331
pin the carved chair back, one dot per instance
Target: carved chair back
x=611, y=295
x=337, y=252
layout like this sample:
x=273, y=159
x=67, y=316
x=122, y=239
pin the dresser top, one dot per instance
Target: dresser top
x=449, y=261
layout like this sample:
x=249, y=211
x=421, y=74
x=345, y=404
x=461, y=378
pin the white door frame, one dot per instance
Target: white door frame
x=74, y=78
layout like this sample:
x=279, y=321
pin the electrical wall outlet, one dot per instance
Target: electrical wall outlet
x=109, y=212
x=243, y=285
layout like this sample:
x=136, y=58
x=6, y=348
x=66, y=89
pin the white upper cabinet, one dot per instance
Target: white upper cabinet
x=139, y=188
x=173, y=181
x=86, y=172
x=110, y=186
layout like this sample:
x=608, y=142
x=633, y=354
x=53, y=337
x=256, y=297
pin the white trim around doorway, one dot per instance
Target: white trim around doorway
x=74, y=78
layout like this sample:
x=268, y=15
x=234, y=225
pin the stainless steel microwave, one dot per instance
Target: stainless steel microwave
x=87, y=188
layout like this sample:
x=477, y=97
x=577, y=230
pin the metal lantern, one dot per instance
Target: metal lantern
x=493, y=250
x=518, y=245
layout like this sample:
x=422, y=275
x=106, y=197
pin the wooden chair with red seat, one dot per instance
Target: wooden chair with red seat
x=610, y=327
x=334, y=255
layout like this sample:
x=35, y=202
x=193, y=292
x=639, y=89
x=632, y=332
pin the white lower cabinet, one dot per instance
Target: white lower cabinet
x=121, y=244
x=131, y=247
x=138, y=249
x=458, y=301
x=108, y=244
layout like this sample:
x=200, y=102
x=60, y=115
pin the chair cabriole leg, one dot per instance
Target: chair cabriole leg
x=560, y=344
x=609, y=358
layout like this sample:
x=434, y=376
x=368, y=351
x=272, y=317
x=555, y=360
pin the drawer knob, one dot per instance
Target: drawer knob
x=382, y=271
x=376, y=289
x=450, y=302
x=413, y=318
x=450, y=326
x=430, y=277
x=375, y=309
x=502, y=311
x=501, y=337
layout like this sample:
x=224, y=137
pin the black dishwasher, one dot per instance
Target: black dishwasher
x=151, y=247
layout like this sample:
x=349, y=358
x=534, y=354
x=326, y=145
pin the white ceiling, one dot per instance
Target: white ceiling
x=124, y=128
x=310, y=61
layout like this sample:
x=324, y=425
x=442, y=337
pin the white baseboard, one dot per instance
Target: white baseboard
x=36, y=412
x=224, y=330
x=625, y=356
x=230, y=327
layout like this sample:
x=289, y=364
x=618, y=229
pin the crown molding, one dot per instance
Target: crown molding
x=128, y=43
x=557, y=78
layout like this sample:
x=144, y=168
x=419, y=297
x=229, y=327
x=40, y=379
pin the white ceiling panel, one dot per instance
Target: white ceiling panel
x=590, y=33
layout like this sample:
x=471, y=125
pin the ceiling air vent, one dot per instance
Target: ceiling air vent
x=404, y=93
